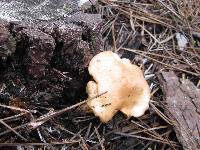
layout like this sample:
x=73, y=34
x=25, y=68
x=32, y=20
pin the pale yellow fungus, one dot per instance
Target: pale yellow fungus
x=126, y=87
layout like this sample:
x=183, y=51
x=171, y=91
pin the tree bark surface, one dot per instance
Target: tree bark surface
x=182, y=106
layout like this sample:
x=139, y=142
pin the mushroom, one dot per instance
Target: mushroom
x=124, y=83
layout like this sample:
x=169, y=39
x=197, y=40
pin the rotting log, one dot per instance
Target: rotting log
x=48, y=45
x=49, y=34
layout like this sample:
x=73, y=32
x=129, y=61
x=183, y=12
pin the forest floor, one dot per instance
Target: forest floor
x=45, y=49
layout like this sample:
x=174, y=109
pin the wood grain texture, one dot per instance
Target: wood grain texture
x=182, y=105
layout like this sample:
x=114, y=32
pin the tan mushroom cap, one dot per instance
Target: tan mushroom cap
x=126, y=87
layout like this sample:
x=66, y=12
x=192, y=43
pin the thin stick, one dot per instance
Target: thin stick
x=161, y=114
x=16, y=108
x=41, y=120
x=84, y=146
x=99, y=138
x=13, y=117
x=135, y=51
x=7, y=126
x=40, y=144
x=15, y=128
x=113, y=36
x=144, y=138
x=49, y=116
